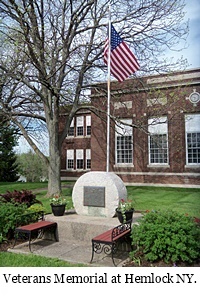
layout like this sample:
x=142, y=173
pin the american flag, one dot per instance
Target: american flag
x=122, y=61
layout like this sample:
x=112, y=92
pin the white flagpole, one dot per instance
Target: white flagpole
x=108, y=88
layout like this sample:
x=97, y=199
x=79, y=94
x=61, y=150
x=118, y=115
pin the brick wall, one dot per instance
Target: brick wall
x=130, y=100
x=139, y=100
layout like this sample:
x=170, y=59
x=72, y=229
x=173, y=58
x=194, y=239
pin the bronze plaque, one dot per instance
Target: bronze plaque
x=94, y=196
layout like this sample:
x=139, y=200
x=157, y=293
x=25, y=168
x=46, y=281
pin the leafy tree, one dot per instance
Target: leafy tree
x=51, y=52
x=8, y=165
x=32, y=167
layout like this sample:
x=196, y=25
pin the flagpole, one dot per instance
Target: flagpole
x=108, y=90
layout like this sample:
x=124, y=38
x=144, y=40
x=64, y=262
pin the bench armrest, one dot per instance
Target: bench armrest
x=121, y=229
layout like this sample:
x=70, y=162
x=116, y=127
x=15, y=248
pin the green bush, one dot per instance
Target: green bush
x=167, y=236
x=13, y=215
x=9, y=213
x=36, y=208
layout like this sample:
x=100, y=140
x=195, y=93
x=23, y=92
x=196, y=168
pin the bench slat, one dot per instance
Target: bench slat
x=106, y=236
x=36, y=226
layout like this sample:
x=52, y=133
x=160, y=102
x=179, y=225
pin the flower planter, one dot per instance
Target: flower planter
x=58, y=210
x=128, y=215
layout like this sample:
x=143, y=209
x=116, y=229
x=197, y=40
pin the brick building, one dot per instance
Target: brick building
x=156, y=138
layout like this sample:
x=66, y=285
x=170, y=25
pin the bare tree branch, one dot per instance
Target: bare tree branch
x=51, y=50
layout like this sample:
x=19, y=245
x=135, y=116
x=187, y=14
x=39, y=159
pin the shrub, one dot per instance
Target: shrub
x=9, y=213
x=13, y=215
x=24, y=196
x=36, y=208
x=167, y=236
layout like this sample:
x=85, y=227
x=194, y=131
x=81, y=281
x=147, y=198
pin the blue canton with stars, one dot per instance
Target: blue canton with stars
x=115, y=38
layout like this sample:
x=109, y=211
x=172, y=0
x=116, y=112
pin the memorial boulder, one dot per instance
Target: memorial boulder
x=98, y=193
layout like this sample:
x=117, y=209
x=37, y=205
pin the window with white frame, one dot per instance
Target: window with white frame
x=71, y=129
x=70, y=159
x=124, y=142
x=79, y=159
x=88, y=125
x=88, y=159
x=158, y=141
x=192, y=130
x=80, y=126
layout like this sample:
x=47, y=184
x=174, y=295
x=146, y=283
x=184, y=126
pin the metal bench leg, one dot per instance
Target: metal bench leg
x=29, y=241
x=15, y=235
x=56, y=234
x=92, y=252
x=113, y=250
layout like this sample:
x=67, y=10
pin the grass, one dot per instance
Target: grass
x=41, y=196
x=6, y=186
x=20, y=260
x=184, y=200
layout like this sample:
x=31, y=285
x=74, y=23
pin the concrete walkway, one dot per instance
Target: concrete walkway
x=75, y=233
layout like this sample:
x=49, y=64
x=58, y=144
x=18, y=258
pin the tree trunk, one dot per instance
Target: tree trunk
x=54, y=183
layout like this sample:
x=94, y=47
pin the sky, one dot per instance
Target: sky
x=192, y=53
x=24, y=147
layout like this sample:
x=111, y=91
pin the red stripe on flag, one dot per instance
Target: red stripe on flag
x=122, y=61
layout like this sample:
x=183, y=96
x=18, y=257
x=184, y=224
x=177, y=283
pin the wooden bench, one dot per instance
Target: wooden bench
x=107, y=241
x=36, y=228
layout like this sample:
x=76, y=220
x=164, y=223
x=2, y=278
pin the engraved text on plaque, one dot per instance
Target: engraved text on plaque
x=94, y=196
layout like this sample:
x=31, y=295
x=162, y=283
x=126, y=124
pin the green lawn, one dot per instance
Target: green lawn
x=20, y=260
x=6, y=186
x=184, y=200
x=150, y=198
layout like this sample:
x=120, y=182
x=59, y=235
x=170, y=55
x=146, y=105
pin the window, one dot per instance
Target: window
x=88, y=125
x=79, y=126
x=158, y=141
x=71, y=129
x=88, y=159
x=158, y=149
x=124, y=143
x=79, y=159
x=192, y=128
x=70, y=159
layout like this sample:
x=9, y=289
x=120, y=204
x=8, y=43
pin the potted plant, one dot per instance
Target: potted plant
x=125, y=210
x=58, y=204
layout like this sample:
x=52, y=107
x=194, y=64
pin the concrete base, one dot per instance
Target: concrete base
x=83, y=228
